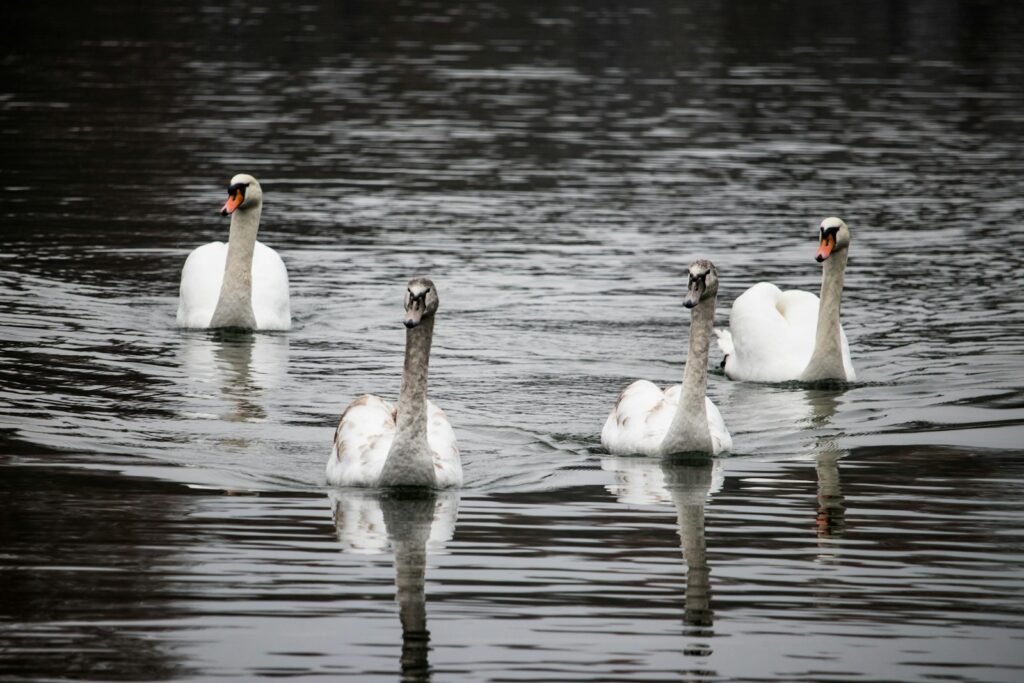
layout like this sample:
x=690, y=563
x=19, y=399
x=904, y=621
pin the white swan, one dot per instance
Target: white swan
x=777, y=336
x=411, y=444
x=682, y=419
x=241, y=284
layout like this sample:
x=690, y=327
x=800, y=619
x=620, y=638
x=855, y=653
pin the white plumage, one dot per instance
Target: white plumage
x=203, y=276
x=777, y=336
x=241, y=284
x=364, y=436
x=643, y=414
x=410, y=444
x=771, y=335
x=646, y=420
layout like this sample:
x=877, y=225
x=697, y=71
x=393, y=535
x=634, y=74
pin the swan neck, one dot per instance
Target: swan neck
x=412, y=400
x=695, y=374
x=409, y=462
x=689, y=430
x=234, y=306
x=827, y=360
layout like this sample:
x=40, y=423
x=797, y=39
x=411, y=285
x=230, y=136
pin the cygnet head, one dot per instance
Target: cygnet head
x=834, y=236
x=244, y=194
x=703, y=283
x=420, y=301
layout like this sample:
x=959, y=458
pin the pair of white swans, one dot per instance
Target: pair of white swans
x=773, y=336
x=244, y=285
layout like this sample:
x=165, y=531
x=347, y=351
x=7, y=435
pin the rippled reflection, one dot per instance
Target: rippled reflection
x=232, y=372
x=831, y=522
x=411, y=525
x=687, y=485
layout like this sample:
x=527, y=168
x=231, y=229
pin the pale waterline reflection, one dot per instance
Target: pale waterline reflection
x=410, y=524
x=687, y=483
x=235, y=368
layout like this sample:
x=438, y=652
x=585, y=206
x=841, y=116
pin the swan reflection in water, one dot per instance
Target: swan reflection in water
x=685, y=483
x=797, y=423
x=235, y=368
x=411, y=524
x=831, y=519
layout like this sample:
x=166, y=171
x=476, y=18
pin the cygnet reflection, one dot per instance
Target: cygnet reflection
x=411, y=524
x=686, y=484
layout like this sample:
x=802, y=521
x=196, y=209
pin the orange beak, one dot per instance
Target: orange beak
x=234, y=200
x=825, y=248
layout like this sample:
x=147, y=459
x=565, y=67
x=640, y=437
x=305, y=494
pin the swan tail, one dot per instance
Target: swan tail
x=724, y=343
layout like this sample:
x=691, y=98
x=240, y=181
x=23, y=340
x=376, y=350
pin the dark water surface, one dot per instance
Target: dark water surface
x=554, y=169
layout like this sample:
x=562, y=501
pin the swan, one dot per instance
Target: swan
x=411, y=444
x=650, y=421
x=777, y=336
x=241, y=284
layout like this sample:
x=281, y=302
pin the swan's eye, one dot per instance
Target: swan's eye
x=417, y=299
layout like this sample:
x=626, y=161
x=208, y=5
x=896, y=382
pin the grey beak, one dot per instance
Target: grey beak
x=413, y=316
x=693, y=294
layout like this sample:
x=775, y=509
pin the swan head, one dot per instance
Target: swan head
x=703, y=283
x=244, y=194
x=834, y=236
x=420, y=301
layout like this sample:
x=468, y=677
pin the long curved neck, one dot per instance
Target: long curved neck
x=234, y=307
x=409, y=462
x=689, y=429
x=827, y=360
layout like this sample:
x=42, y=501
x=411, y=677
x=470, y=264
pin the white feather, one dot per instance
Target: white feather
x=203, y=275
x=364, y=437
x=642, y=416
x=771, y=335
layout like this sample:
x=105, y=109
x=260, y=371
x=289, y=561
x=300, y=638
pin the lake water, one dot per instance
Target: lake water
x=554, y=169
